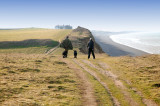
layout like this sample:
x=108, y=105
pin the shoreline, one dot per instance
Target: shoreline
x=115, y=49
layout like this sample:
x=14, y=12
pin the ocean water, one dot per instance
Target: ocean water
x=148, y=42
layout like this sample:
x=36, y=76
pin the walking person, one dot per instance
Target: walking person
x=91, y=48
x=67, y=45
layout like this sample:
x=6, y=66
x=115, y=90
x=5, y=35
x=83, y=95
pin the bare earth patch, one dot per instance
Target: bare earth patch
x=88, y=97
x=115, y=101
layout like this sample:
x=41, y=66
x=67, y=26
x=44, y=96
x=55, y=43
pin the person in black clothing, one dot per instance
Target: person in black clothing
x=67, y=45
x=65, y=54
x=91, y=48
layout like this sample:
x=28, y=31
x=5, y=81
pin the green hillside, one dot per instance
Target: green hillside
x=31, y=40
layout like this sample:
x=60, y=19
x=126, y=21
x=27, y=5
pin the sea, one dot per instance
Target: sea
x=145, y=41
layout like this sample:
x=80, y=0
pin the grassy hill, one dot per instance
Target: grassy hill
x=33, y=33
x=31, y=40
x=80, y=37
x=38, y=78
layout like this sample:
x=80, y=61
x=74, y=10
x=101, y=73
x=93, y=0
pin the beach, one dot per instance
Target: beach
x=115, y=49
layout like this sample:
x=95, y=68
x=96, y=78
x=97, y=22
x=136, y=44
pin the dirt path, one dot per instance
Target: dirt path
x=87, y=92
x=117, y=82
x=51, y=50
x=108, y=73
x=115, y=101
x=147, y=102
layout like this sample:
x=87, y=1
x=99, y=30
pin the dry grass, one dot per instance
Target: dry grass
x=37, y=80
x=28, y=50
x=141, y=72
x=23, y=34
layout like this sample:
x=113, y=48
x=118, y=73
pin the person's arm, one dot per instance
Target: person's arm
x=88, y=45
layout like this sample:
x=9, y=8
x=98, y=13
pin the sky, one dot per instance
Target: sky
x=106, y=15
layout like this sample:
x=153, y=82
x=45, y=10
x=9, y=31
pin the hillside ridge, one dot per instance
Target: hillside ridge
x=80, y=37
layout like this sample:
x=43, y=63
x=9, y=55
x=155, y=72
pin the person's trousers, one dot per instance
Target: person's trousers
x=65, y=53
x=89, y=53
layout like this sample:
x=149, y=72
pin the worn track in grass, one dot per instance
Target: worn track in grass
x=115, y=101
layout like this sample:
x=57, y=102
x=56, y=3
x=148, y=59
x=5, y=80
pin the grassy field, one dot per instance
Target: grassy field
x=37, y=80
x=142, y=73
x=28, y=76
x=23, y=34
x=11, y=40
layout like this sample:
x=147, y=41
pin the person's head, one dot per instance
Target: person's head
x=90, y=39
x=67, y=37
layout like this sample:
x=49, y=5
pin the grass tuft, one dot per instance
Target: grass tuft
x=29, y=70
x=59, y=62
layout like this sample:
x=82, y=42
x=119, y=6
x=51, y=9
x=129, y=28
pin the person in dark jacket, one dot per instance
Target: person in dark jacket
x=67, y=45
x=91, y=48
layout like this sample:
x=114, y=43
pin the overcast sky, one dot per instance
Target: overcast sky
x=109, y=15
